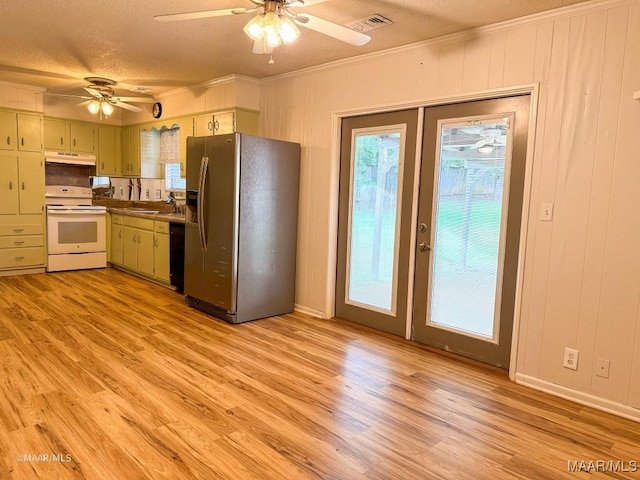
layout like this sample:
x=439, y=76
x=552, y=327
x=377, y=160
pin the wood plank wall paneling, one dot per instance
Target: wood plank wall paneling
x=120, y=379
x=581, y=285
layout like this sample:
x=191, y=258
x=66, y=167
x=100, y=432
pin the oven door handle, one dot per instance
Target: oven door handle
x=73, y=212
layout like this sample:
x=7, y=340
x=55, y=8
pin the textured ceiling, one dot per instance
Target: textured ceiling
x=56, y=43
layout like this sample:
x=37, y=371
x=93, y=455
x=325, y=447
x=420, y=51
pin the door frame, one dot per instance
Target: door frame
x=532, y=89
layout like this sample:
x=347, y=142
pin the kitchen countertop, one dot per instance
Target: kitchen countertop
x=144, y=213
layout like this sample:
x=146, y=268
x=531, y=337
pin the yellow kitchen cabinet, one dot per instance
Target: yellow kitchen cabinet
x=66, y=136
x=186, y=130
x=141, y=246
x=116, y=237
x=130, y=151
x=29, y=132
x=161, y=252
x=22, y=184
x=81, y=137
x=56, y=135
x=8, y=130
x=229, y=121
x=20, y=131
x=109, y=151
x=21, y=242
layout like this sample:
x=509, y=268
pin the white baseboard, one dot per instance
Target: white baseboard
x=582, y=398
x=308, y=311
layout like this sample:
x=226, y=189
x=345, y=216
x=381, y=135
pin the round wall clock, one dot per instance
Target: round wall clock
x=156, y=110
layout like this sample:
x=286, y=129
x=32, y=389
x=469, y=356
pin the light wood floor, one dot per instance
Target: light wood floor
x=105, y=376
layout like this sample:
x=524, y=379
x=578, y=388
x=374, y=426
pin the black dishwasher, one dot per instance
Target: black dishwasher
x=176, y=247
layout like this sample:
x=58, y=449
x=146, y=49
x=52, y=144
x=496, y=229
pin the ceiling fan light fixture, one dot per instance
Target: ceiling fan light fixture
x=107, y=108
x=94, y=107
x=254, y=28
x=486, y=149
x=288, y=30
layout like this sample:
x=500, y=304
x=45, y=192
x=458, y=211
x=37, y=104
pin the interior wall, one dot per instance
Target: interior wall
x=581, y=286
x=21, y=97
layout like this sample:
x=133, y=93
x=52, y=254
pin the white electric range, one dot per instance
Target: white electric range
x=76, y=229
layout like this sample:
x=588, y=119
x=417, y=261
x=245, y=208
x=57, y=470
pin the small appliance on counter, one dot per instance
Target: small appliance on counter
x=76, y=229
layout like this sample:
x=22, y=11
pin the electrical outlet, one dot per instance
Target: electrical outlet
x=546, y=212
x=570, y=359
x=602, y=368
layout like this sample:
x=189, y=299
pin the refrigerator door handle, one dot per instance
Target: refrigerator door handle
x=204, y=170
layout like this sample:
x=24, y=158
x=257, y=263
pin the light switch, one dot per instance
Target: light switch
x=546, y=212
x=158, y=194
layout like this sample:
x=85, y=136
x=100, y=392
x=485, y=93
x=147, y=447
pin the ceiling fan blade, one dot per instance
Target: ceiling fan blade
x=134, y=99
x=82, y=104
x=93, y=91
x=480, y=143
x=126, y=106
x=66, y=95
x=176, y=17
x=332, y=29
x=304, y=3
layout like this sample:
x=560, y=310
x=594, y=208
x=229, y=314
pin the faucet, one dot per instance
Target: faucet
x=172, y=201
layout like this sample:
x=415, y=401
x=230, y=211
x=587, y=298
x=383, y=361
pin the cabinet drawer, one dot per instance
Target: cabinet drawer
x=21, y=229
x=21, y=241
x=137, y=222
x=116, y=219
x=162, y=227
x=21, y=257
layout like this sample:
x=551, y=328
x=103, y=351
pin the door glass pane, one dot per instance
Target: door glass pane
x=469, y=205
x=374, y=218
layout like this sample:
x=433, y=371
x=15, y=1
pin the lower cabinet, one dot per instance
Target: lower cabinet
x=141, y=245
x=21, y=242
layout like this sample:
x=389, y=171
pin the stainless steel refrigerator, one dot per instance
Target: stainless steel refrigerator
x=241, y=226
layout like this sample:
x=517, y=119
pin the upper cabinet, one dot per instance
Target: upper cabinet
x=229, y=121
x=130, y=151
x=20, y=131
x=63, y=135
x=109, y=151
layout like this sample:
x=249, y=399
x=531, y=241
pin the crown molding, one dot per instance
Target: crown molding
x=210, y=83
x=472, y=33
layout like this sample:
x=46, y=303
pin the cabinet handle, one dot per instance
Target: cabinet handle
x=216, y=125
x=22, y=141
x=18, y=230
x=10, y=185
x=182, y=167
x=120, y=234
x=18, y=259
x=102, y=166
x=22, y=185
x=74, y=142
x=18, y=243
x=8, y=140
x=210, y=126
x=61, y=141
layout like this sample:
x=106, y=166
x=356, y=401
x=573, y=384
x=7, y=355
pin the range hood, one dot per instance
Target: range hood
x=70, y=158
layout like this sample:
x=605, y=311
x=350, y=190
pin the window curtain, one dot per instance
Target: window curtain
x=169, y=146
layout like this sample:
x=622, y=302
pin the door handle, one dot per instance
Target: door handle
x=423, y=228
x=423, y=247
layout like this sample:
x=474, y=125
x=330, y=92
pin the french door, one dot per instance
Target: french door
x=468, y=235
x=374, y=226
x=467, y=238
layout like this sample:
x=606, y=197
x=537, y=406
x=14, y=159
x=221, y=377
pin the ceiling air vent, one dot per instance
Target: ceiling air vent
x=369, y=23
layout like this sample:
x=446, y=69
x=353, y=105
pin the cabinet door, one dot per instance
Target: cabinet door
x=186, y=130
x=9, y=197
x=203, y=125
x=107, y=160
x=246, y=121
x=81, y=137
x=31, y=177
x=134, y=152
x=29, y=132
x=117, y=252
x=7, y=131
x=56, y=135
x=145, y=252
x=130, y=247
x=224, y=122
x=162, y=257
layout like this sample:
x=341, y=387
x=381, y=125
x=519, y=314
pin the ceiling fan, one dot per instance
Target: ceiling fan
x=275, y=24
x=491, y=137
x=101, y=97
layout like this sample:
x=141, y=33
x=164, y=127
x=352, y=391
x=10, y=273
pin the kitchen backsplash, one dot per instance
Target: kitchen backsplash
x=139, y=189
